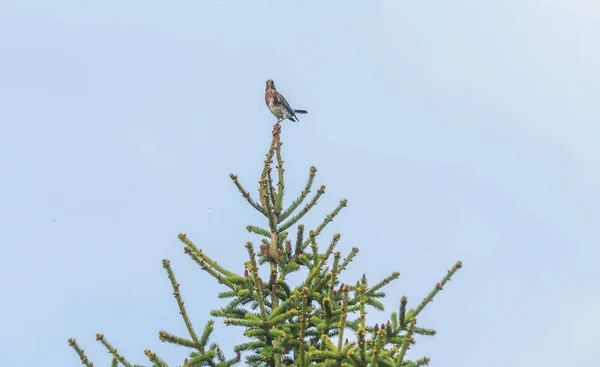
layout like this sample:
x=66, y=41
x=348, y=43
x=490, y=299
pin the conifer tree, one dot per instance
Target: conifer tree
x=320, y=321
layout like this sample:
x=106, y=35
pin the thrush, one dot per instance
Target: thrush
x=278, y=106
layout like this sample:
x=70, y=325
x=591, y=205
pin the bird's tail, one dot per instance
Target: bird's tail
x=301, y=111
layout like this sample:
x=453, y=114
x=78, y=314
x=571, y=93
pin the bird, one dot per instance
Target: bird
x=278, y=106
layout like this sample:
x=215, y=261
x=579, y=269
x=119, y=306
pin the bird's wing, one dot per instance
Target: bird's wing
x=279, y=100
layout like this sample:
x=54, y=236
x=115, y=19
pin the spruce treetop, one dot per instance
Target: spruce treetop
x=319, y=321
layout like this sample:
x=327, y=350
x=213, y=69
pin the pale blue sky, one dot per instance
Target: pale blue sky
x=464, y=130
